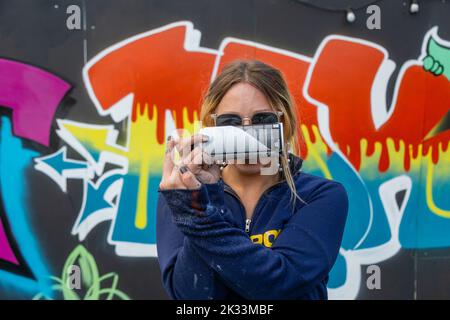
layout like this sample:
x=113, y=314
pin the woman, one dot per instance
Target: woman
x=233, y=233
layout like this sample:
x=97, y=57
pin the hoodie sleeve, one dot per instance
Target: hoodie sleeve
x=185, y=275
x=302, y=255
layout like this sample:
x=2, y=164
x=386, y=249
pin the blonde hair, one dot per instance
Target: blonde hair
x=271, y=83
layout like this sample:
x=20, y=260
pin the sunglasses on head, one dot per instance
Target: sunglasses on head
x=232, y=119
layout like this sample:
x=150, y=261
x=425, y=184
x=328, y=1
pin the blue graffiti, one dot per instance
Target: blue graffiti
x=15, y=160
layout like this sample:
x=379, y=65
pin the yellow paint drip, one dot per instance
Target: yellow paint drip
x=145, y=155
x=429, y=187
x=315, y=148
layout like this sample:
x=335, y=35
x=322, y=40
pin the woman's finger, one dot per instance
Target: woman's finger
x=173, y=181
x=188, y=178
x=207, y=159
x=197, y=161
x=193, y=158
x=186, y=145
x=168, y=157
x=197, y=156
x=168, y=165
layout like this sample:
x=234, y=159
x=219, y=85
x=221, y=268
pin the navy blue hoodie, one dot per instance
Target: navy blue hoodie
x=207, y=249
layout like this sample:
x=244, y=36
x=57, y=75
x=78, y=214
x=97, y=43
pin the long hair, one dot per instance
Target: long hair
x=271, y=83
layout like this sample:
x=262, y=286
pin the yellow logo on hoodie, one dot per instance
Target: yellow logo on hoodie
x=267, y=238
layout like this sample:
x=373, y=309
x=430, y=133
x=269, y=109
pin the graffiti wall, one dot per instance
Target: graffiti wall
x=90, y=89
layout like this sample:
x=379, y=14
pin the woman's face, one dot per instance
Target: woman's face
x=245, y=100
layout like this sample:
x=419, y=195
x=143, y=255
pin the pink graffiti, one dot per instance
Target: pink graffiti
x=6, y=253
x=33, y=95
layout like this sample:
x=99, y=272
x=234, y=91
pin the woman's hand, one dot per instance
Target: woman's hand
x=195, y=166
x=197, y=161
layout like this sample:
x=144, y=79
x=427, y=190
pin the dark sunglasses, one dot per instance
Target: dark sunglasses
x=232, y=119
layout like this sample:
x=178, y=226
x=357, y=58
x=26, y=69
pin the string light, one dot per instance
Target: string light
x=310, y=3
x=350, y=16
x=414, y=7
x=350, y=12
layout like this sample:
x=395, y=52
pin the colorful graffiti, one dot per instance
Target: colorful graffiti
x=94, y=283
x=392, y=156
x=392, y=152
x=32, y=95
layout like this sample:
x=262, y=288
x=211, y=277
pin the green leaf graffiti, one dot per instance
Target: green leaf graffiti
x=437, y=60
x=97, y=287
